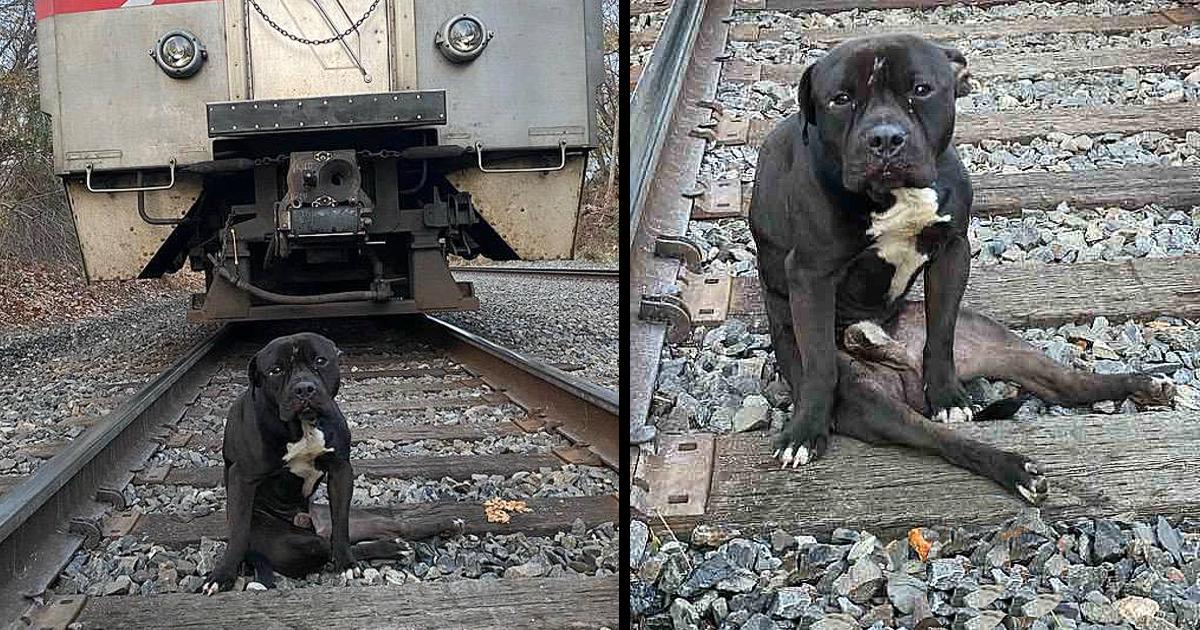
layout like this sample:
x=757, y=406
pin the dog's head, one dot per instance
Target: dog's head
x=884, y=107
x=298, y=373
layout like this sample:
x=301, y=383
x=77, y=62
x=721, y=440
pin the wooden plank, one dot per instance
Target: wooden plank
x=1000, y=28
x=1097, y=465
x=1040, y=294
x=1126, y=119
x=1022, y=125
x=372, y=406
x=567, y=603
x=1007, y=194
x=744, y=32
x=1021, y=65
x=400, y=434
x=415, y=521
x=403, y=467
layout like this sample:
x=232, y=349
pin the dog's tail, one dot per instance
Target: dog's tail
x=1002, y=409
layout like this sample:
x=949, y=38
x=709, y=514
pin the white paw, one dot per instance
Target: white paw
x=954, y=415
x=1036, y=488
x=255, y=586
x=348, y=574
x=211, y=588
x=797, y=457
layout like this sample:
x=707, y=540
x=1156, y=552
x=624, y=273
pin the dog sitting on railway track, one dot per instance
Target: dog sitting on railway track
x=283, y=435
x=854, y=195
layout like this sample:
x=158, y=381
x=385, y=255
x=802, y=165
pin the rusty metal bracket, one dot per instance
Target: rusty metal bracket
x=87, y=527
x=681, y=248
x=57, y=614
x=111, y=496
x=721, y=199
x=671, y=310
x=707, y=296
x=676, y=480
x=120, y=523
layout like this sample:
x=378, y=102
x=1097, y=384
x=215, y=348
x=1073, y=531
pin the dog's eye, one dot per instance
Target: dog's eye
x=321, y=361
x=922, y=89
x=275, y=371
x=841, y=98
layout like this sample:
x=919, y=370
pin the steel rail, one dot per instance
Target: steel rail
x=540, y=271
x=35, y=537
x=589, y=414
x=653, y=102
x=666, y=210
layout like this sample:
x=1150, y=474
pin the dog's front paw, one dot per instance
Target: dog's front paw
x=1157, y=391
x=801, y=442
x=221, y=579
x=343, y=560
x=948, y=402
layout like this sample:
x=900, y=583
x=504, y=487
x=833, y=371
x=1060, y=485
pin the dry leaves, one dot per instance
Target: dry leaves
x=917, y=540
x=501, y=510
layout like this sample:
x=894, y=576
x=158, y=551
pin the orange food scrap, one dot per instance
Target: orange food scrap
x=501, y=510
x=917, y=541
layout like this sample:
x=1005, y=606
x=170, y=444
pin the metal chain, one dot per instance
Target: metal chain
x=284, y=157
x=314, y=42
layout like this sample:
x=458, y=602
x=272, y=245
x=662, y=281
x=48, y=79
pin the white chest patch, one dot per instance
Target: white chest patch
x=301, y=453
x=895, y=231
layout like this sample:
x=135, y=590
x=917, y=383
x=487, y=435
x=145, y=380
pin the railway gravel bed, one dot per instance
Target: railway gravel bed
x=956, y=14
x=129, y=566
x=1085, y=573
x=575, y=326
x=60, y=378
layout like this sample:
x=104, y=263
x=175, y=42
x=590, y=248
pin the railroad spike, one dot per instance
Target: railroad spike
x=671, y=310
x=681, y=248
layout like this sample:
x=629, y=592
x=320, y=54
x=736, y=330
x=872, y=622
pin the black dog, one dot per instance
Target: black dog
x=854, y=195
x=282, y=436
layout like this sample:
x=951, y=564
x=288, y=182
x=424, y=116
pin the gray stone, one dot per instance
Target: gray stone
x=791, y=602
x=835, y=621
x=904, y=591
x=983, y=596
x=1041, y=605
x=751, y=418
x=861, y=582
x=740, y=552
x=684, y=614
x=639, y=536
x=758, y=621
x=1108, y=542
x=1100, y=613
x=122, y=585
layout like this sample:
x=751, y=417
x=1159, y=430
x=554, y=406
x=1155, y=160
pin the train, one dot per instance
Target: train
x=318, y=158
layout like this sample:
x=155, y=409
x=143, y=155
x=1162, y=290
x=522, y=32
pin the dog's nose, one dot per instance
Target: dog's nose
x=304, y=389
x=886, y=139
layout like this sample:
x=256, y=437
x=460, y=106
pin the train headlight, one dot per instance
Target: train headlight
x=179, y=53
x=462, y=38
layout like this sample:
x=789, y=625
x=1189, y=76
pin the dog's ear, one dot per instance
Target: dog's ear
x=252, y=373
x=804, y=96
x=962, y=76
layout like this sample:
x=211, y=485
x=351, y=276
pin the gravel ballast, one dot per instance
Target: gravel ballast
x=1081, y=574
x=569, y=322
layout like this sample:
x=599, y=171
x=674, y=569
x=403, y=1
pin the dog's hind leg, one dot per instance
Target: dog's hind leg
x=871, y=407
x=985, y=348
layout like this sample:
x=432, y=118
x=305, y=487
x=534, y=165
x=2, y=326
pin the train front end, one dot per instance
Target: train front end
x=320, y=157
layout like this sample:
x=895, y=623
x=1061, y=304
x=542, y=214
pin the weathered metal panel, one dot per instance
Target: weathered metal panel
x=115, y=242
x=239, y=118
x=112, y=106
x=530, y=87
x=283, y=68
x=535, y=213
